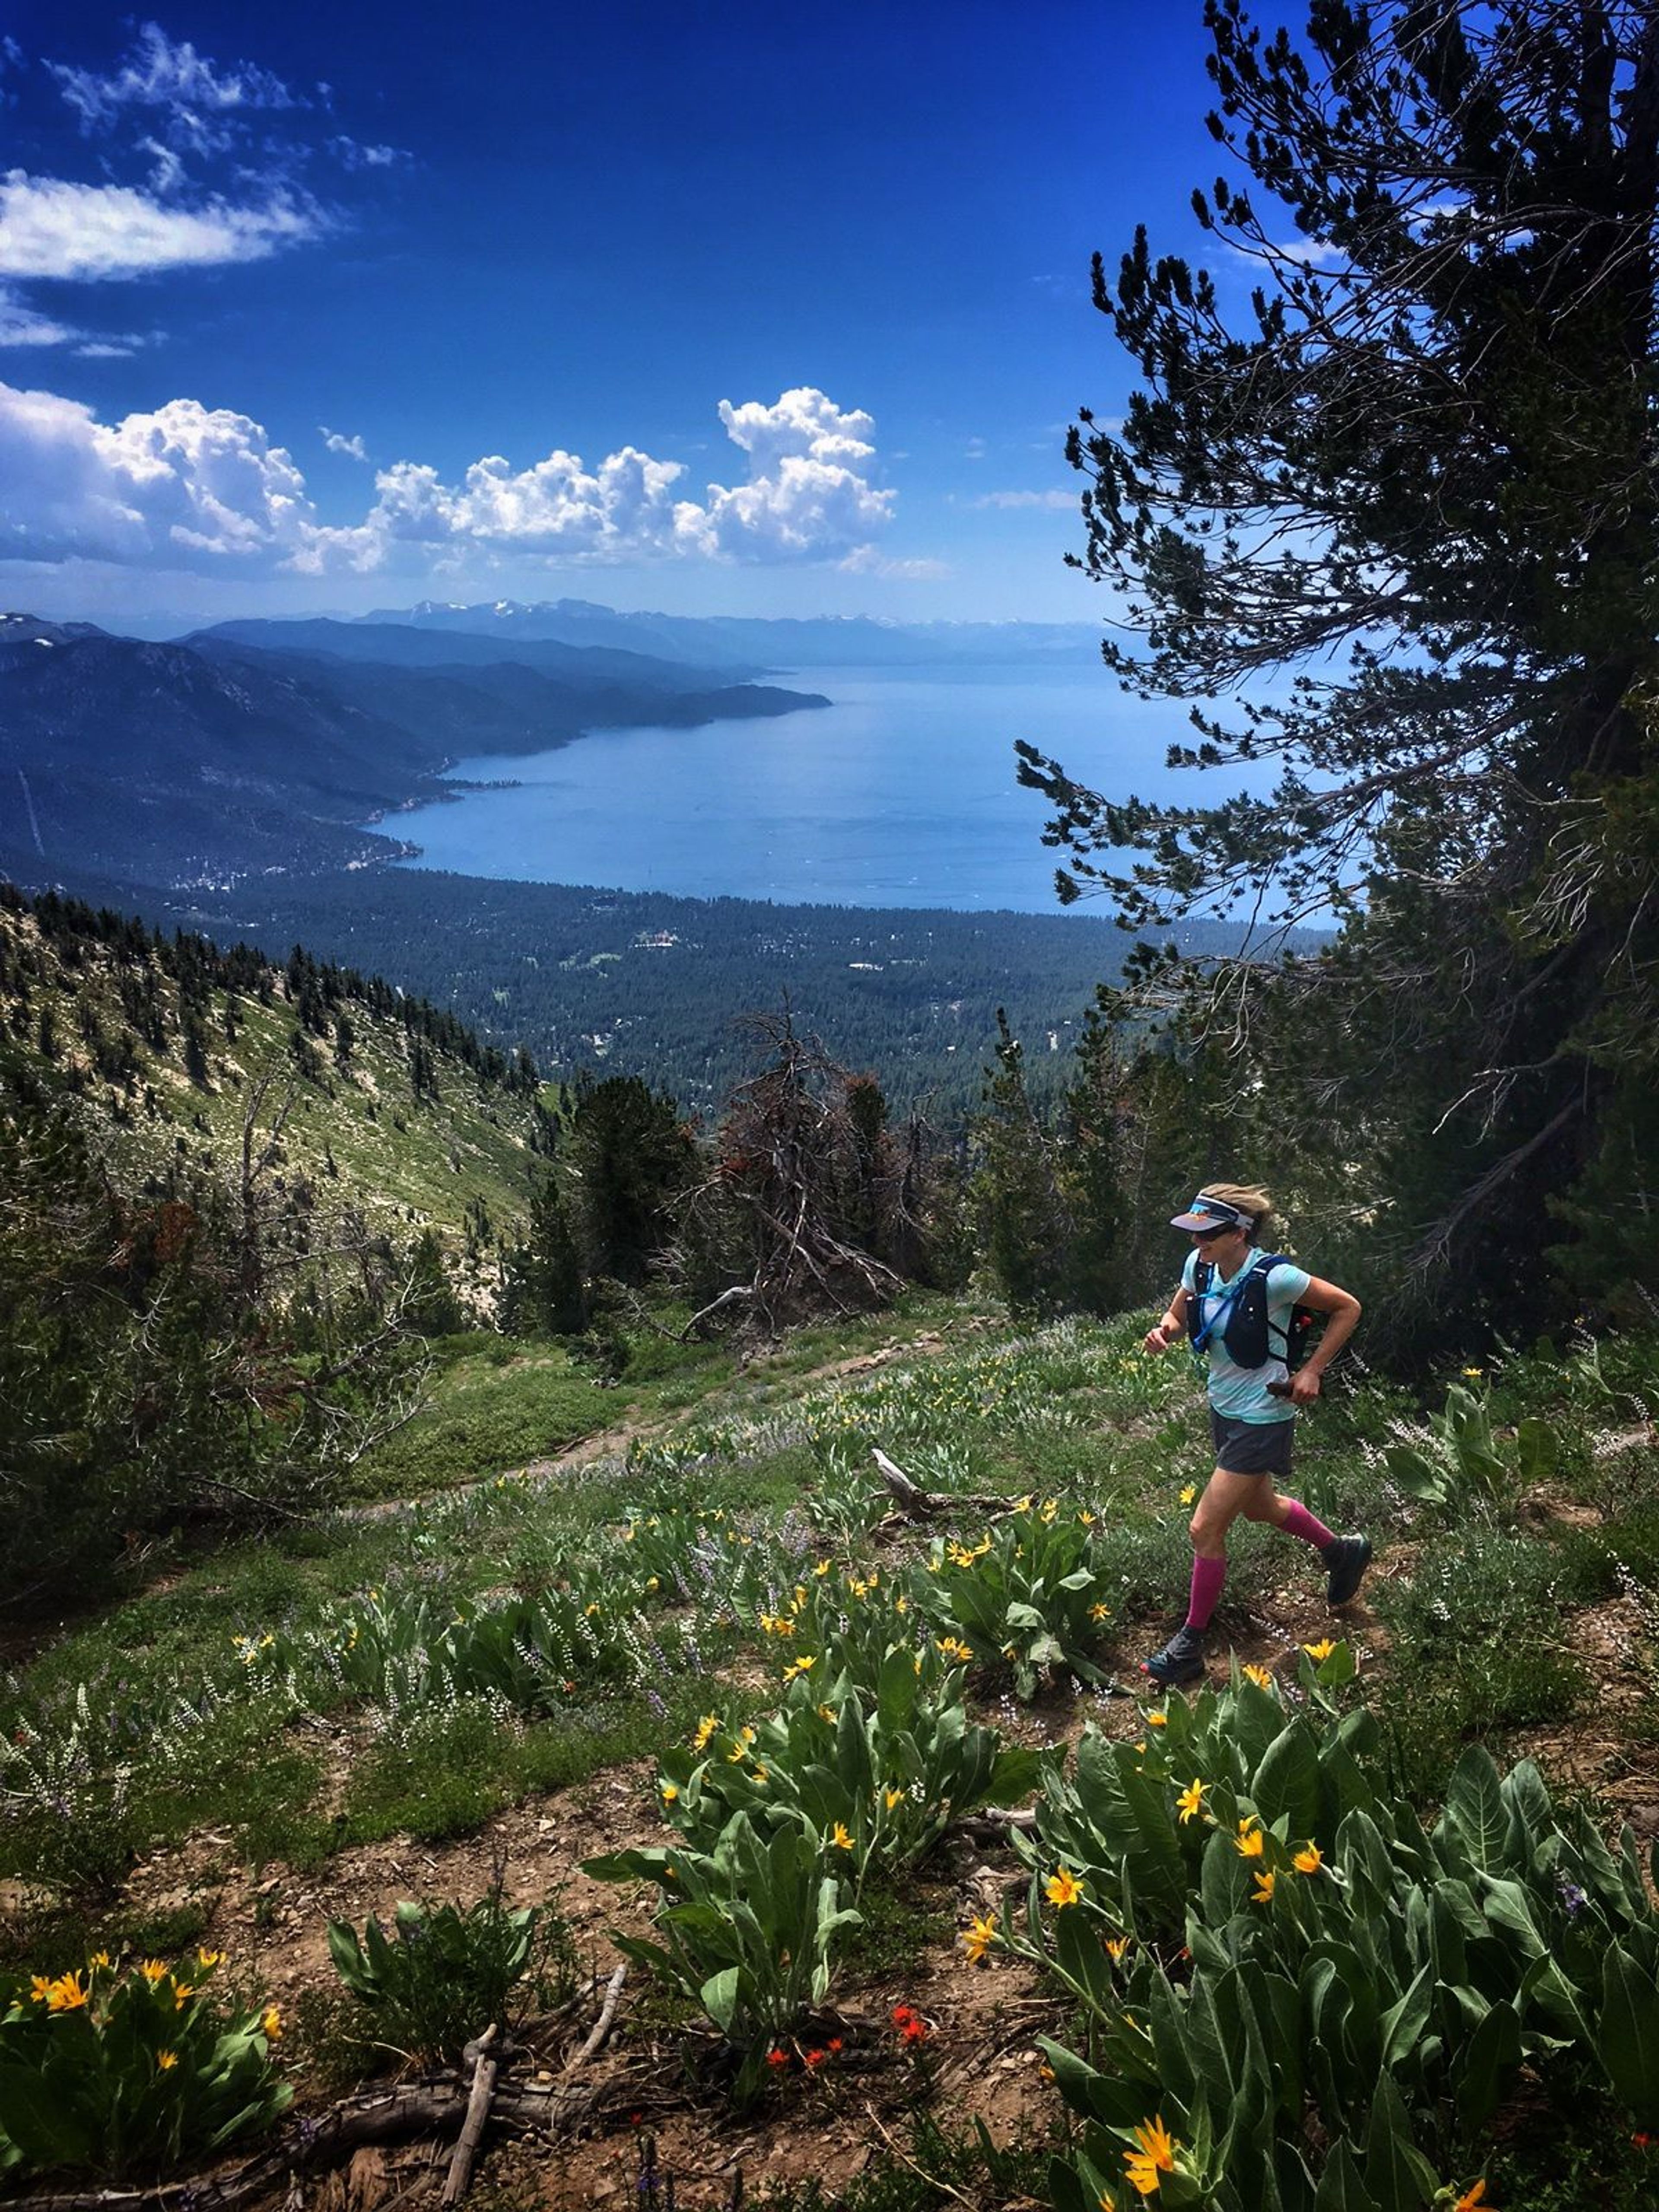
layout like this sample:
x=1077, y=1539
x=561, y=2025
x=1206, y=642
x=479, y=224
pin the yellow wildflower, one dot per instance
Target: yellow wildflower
x=1187, y=1496
x=1191, y=1801
x=1116, y=1948
x=1320, y=1652
x=166, y=2061
x=1474, y=2199
x=152, y=1970
x=271, y=2022
x=1158, y=1720
x=1308, y=1859
x=40, y=1988
x=67, y=1994
x=207, y=1960
x=1098, y=1612
x=1264, y=1887
x=1249, y=1842
x=981, y=1934
x=705, y=1728
x=1260, y=1676
x=840, y=1836
x=1062, y=1888
x=801, y=1665
x=1087, y=1518
x=892, y=1797
x=671, y=1791
x=182, y=1993
x=1154, y=2159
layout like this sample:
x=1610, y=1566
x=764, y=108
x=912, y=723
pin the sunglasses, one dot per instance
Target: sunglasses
x=1204, y=1236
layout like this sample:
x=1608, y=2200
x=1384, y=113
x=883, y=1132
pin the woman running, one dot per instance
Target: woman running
x=1234, y=1306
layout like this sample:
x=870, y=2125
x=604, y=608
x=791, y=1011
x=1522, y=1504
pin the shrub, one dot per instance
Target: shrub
x=119, y=2070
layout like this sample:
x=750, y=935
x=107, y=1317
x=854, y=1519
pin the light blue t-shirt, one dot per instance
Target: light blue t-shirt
x=1241, y=1394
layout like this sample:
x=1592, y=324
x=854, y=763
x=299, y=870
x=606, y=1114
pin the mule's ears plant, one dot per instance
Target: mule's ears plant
x=747, y=1931
x=1458, y=1460
x=1028, y=1596
x=879, y=1775
x=122, y=2067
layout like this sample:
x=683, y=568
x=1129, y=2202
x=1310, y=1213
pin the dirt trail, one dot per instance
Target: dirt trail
x=614, y=1442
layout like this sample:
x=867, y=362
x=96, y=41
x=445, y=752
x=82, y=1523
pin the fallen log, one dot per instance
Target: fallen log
x=915, y=1503
x=477, y=2115
x=384, y=2116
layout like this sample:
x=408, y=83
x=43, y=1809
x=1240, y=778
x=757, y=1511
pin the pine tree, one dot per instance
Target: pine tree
x=1025, y=1228
x=1419, y=481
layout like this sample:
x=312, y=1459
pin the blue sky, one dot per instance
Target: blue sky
x=708, y=308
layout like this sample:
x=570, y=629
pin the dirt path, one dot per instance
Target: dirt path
x=614, y=1442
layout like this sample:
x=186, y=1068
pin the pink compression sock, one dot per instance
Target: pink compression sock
x=1208, y=1575
x=1298, y=1522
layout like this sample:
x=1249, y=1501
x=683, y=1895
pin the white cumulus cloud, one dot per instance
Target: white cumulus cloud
x=52, y=228
x=185, y=486
x=337, y=443
x=190, y=486
x=807, y=496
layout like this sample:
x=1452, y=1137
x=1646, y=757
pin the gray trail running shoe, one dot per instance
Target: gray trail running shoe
x=1347, y=1558
x=1182, y=1660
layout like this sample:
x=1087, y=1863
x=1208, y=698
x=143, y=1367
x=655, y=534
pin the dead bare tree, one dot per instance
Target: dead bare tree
x=813, y=1208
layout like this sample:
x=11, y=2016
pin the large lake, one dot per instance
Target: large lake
x=901, y=793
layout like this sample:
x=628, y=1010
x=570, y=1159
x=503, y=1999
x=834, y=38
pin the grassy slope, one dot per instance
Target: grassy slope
x=1534, y=1630
x=402, y=1160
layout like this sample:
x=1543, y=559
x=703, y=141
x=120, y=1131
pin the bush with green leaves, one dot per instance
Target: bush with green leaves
x=119, y=2068
x=1029, y=1595
x=1344, y=1966
x=1455, y=1459
x=747, y=1931
x=443, y=1973
x=405, y=1646
x=876, y=1772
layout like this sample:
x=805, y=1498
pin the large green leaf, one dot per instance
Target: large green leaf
x=1475, y=1810
x=1486, y=2065
x=1628, y=2034
x=1286, y=1782
x=720, y=1995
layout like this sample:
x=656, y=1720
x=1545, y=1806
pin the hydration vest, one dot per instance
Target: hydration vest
x=1246, y=1330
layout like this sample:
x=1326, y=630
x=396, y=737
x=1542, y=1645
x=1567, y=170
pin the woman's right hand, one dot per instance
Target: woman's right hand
x=1156, y=1338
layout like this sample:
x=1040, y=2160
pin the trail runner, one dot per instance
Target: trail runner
x=1236, y=1313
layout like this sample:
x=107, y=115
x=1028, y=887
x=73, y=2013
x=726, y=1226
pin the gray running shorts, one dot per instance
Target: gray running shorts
x=1251, y=1447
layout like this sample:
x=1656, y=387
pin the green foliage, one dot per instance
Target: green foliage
x=1456, y=694
x=442, y=1974
x=483, y=1418
x=630, y=1156
x=117, y=2068
x=1395, y=1978
x=749, y=1931
x=1023, y=1224
x=544, y=1292
x=1029, y=1595
x=875, y=1756
x=1459, y=1462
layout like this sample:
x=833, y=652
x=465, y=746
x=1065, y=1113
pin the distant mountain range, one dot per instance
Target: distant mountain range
x=752, y=641
x=258, y=749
